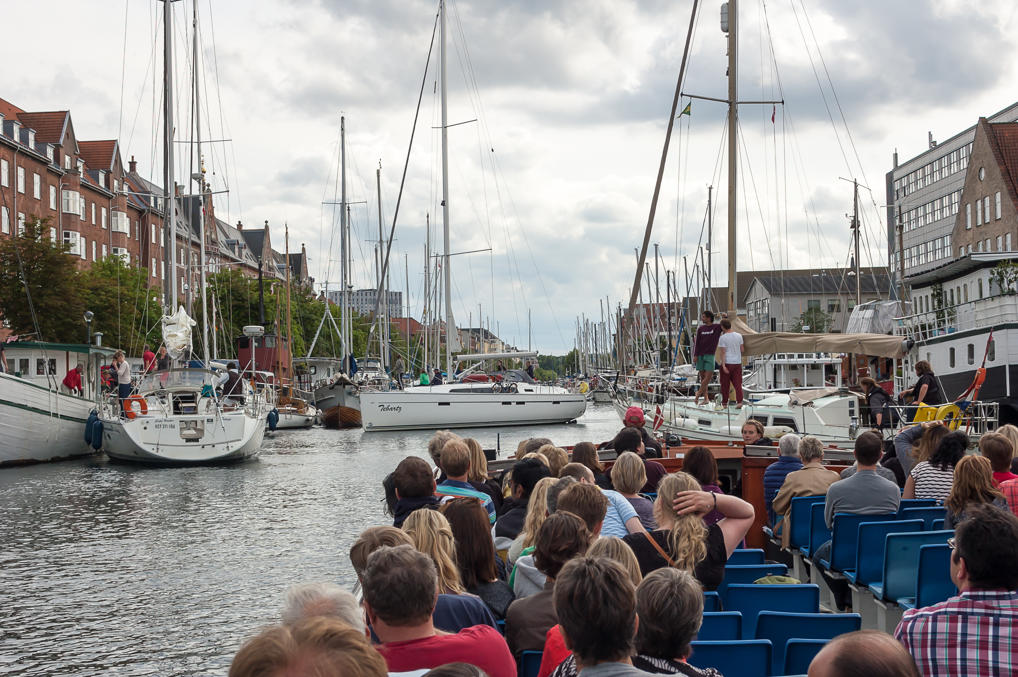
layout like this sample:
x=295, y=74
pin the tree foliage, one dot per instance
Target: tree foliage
x=126, y=309
x=32, y=266
x=813, y=321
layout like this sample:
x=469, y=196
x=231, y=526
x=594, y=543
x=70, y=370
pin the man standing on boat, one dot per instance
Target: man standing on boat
x=148, y=358
x=706, y=343
x=398, y=368
x=123, y=376
x=73, y=381
x=730, y=344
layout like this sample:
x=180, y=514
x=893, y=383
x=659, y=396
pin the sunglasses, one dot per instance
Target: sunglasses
x=951, y=544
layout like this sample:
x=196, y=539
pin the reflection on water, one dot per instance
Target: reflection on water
x=118, y=569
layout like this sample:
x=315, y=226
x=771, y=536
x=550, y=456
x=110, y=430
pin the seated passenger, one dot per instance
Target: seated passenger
x=753, y=434
x=455, y=464
x=537, y=512
x=682, y=540
x=585, y=453
x=812, y=480
x=609, y=509
x=525, y=476
x=634, y=418
x=413, y=488
x=629, y=439
x=399, y=599
x=699, y=462
x=775, y=474
x=933, y=478
x=973, y=485
x=310, y=600
x=998, y=449
x=431, y=534
x=864, y=652
x=475, y=554
x=630, y=476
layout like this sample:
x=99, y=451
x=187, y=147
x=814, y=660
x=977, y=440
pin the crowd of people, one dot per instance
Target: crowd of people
x=603, y=570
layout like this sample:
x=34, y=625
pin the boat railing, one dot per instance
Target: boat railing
x=948, y=319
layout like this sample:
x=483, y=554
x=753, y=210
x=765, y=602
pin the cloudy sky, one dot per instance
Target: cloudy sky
x=564, y=105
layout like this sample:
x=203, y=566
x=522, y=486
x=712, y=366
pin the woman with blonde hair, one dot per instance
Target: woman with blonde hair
x=629, y=475
x=557, y=458
x=682, y=540
x=477, y=476
x=537, y=512
x=615, y=549
x=432, y=535
x=973, y=484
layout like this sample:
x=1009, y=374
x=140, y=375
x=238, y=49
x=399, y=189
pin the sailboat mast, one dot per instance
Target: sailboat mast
x=289, y=312
x=447, y=277
x=201, y=192
x=169, y=222
x=733, y=150
x=383, y=310
x=344, y=300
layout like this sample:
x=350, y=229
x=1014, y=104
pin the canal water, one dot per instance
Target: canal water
x=107, y=568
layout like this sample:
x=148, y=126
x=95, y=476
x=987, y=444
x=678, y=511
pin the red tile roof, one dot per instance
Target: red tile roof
x=400, y=323
x=8, y=109
x=98, y=154
x=48, y=126
x=1003, y=138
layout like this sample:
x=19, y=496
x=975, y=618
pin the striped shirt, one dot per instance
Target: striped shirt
x=1010, y=491
x=974, y=634
x=450, y=489
x=931, y=481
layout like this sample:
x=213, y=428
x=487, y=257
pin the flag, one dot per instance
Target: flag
x=658, y=418
x=774, y=111
x=687, y=110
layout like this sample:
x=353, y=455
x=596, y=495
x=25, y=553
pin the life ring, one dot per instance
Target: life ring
x=950, y=414
x=925, y=412
x=129, y=403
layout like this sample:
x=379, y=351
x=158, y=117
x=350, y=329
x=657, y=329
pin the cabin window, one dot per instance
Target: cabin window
x=950, y=359
x=972, y=353
x=41, y=364
x=23, y=364
x=785, y=421
x=243, y=342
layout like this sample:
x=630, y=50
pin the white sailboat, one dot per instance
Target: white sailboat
x=465, y=404
x=174, y=416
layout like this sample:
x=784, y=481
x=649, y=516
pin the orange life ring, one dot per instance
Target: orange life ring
x=129, y=410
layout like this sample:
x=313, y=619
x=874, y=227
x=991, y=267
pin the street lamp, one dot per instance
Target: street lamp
x=88, y=327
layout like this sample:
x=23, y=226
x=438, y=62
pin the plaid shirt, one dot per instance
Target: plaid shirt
x=972, y=635
x=1010, y=491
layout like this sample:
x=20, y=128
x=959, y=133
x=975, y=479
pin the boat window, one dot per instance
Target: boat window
x=243, y=342
x=786, y=421
x=762, y=419
x=470, y=390
x=972, y=353
x=950, y=359
x=24, y=367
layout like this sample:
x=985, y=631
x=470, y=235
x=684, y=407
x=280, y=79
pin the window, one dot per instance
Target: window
x=104, y=251
x=979, y=246
x=123, y=254
x=972, y=353
x=834, y=306
x=53, y=197
x=162, y=268
x=950, y=297
x=1007, y=241
x=36, y=186
x=979, y=212
x=73, y=240
x=81, y=209
x=986, y=242
x=121, y=224
x=116, y=186
x=996, y=198
x=21, y=179
x=153, y=268
x=980, y=288
x=5, y=221
x=67, y=161
x=93, y=250
x=968, y=215
x=53, y=235
x=153, y=227
x=951, y=357
x=21, y=223
x=5, y=173
x=93, y=213
x=986, y=208
x=965, y=290
x=104, y=216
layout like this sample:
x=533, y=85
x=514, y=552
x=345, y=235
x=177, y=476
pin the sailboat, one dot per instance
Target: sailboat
x=515, y=401
x=174, y=416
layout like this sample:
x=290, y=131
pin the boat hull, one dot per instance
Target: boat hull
x=229, y=437
x=39, y=424
x=415, y=409
x=340, y=406
x=292, y=420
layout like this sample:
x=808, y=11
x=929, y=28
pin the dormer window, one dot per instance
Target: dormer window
x=81, y=167
x=16, y=130
x=67, y=161
x=49, y=152
x=101, y=178
x=31, y=138
x=116, y=186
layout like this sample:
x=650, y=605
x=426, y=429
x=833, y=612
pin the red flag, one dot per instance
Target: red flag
x=658, y=418
x=774, y=111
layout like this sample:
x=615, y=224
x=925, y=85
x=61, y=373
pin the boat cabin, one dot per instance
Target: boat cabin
x=46, y=364
x=268, y=352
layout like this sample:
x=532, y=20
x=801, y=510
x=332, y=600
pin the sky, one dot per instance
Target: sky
x=557, y=113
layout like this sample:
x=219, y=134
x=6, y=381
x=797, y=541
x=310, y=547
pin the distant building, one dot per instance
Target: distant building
x=480, y=340
x=924, y=199
x=362, y=301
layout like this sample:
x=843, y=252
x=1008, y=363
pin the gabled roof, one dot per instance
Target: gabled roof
x=49, y=127
x=874, y=281
x=8, y=109
x=402, y=322
x=1003, y=139
x=97, y=154
x=255, y=239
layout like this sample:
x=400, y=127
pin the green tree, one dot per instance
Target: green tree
x=32, y=265
x=1005, y=276
x=813, y=321
x=126, y=309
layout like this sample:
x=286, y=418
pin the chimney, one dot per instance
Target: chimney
x=895, y=158
x=240, y=226
x=929, y=136
x=132, y=165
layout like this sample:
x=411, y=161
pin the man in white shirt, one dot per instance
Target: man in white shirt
x=730, y=348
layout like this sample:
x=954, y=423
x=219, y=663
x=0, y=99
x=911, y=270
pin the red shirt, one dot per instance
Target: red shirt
x=148, y=358
x=73, y=380
x=555, y=651
x=1004, y=476
x=480, y=645
x=1010, y=491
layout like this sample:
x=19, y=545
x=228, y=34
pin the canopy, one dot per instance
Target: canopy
x=769, y=342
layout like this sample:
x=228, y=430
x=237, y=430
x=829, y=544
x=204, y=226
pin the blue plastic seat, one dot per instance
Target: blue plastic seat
x=750, y=600
x=927, y=515
x=500, y=623
x=720, y=625
x=530, y=663
x=933, y=580
x=845, y=537
x=915, y=503
x=799, y=516
x=869, y=554
x=818, y=531
x=779, y=627
x=901, y=562
x=745, y=657
x=746, y=556
x=747, y=573
x=711, y=601
x=799, y=653
x=938, y=525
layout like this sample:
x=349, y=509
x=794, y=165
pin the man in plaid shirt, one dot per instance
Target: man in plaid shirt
x=976, y=633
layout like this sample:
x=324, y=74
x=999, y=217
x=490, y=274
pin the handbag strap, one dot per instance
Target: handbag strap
x=659, y=549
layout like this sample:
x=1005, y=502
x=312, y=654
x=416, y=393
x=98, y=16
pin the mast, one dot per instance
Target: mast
x=383, y=310
x=447, y=277
x=855, y=229
x=169, y=220
x=289, y=315
x=705, y=293
x=733, y=126
x=344, y=300
x=201, y=192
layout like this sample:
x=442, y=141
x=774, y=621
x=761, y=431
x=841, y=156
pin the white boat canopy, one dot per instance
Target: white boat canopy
x=496, y=356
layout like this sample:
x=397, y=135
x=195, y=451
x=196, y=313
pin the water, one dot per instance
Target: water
x=107, y=568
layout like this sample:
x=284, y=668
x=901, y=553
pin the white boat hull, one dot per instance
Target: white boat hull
x=40, y=424
x=292, y=420
x=230, y=436
x=425, y=408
